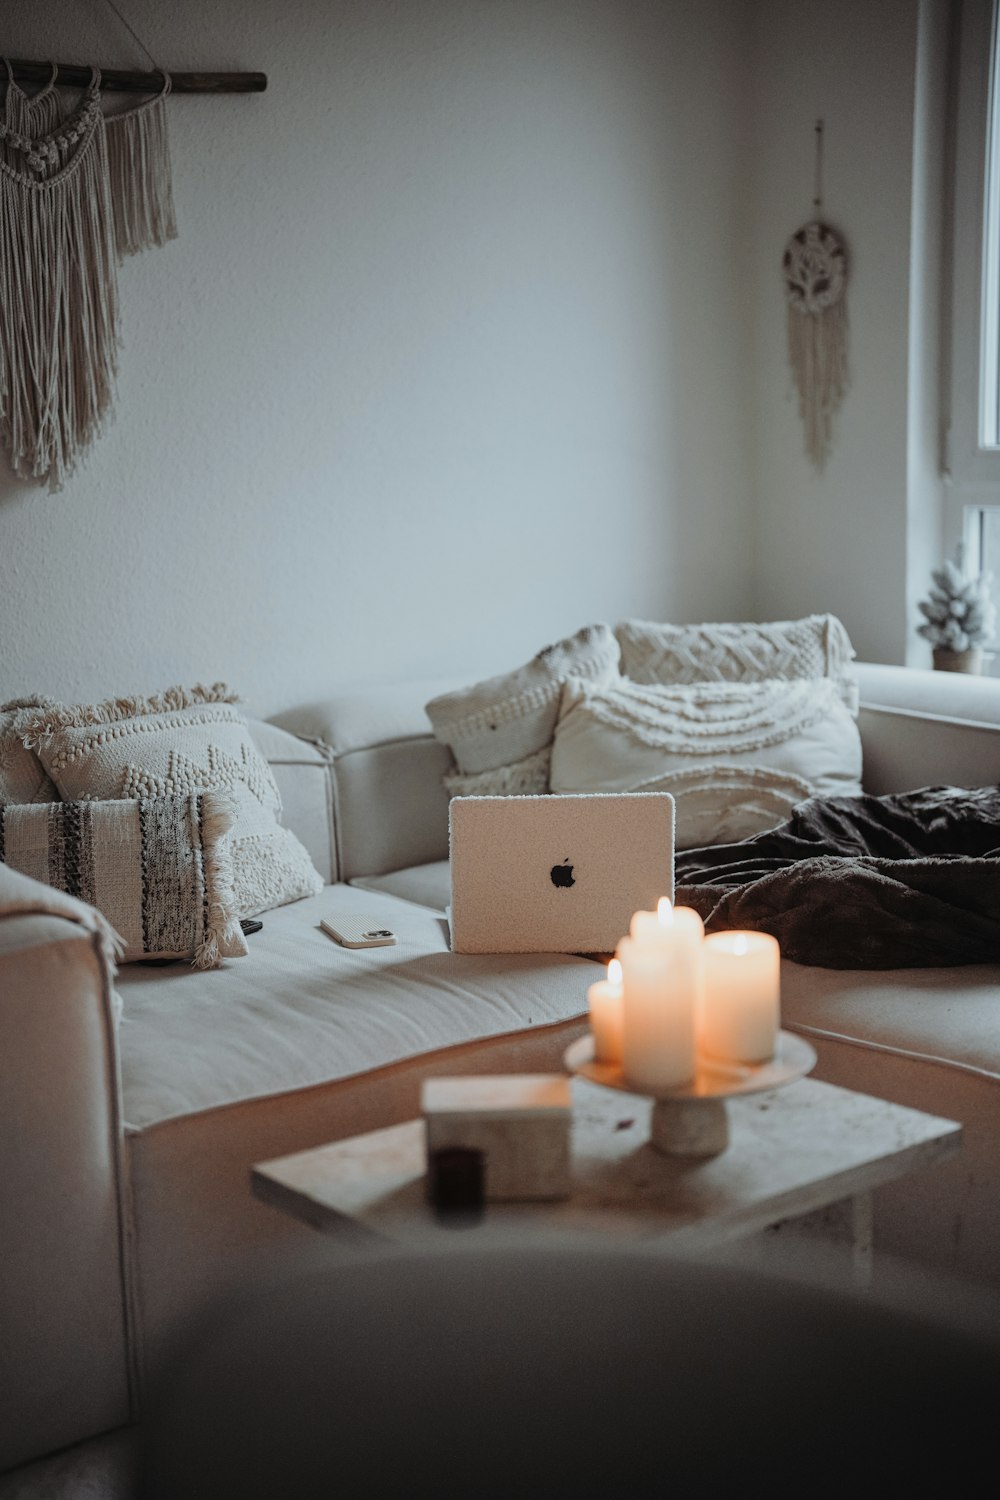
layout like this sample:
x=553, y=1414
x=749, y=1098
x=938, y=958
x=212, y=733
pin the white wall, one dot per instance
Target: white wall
x=449, y=358
x=838, y=540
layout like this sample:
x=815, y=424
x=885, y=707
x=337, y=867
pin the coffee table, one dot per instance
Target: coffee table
x=800, y=1169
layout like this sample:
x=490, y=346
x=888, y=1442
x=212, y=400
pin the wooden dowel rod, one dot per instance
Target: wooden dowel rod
x=124, y=81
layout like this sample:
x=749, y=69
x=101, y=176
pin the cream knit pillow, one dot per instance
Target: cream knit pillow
x=500, y=730
x=22, y=775
x=736, y=757
x=814, y=646
x=522, y=778
x=177, y=742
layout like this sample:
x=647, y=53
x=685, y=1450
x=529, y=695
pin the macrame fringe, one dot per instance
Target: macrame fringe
x=58, y=311
x=35, y=729
x=222, y=937
x=817, y=350
x=141, y=184
x=31, y=701
x=78, y=192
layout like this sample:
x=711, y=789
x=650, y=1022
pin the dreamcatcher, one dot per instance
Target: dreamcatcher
x=815, y=274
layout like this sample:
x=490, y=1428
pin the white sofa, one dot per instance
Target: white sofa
x=125, y=1146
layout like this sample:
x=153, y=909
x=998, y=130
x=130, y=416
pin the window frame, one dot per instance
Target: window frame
x=968, y=461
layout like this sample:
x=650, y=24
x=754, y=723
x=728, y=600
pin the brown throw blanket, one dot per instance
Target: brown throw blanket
x=905, y=881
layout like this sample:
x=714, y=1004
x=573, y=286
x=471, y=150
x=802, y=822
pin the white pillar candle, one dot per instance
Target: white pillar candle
x=661, y=967
x=604, y=1000
x=740, y=1015
x=667, y=923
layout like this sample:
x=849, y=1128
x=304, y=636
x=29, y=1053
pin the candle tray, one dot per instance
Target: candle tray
x=692, y=1120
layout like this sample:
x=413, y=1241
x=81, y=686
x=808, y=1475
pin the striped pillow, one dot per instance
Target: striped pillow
x=158, y=869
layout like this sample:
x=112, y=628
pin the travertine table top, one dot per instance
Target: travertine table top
x=792, y=1151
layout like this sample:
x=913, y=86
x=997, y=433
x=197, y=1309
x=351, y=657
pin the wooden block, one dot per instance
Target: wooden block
x=519, y=1121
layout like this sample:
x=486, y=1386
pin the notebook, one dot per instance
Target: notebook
x=556, y=874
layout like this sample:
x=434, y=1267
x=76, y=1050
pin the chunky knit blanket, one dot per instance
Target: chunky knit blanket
x=904, y=881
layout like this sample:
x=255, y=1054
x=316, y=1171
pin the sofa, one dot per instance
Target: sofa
x=133, y=1102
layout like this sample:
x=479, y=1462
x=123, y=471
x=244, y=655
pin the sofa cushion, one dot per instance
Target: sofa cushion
x=301, y=773
x=179, y=741
x=427, y=885
x=946, y=1017
x=505, y=720
x=736, y=756
x=158, y=869
x=300, y=1010
x=927, y=1039
x=389, y=807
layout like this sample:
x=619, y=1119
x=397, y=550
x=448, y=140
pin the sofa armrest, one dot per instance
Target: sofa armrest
x=926, y=728
x=65, y=1370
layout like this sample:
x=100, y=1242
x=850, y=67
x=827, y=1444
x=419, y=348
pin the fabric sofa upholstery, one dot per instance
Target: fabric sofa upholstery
x=280, y=1050
x=67, y=1337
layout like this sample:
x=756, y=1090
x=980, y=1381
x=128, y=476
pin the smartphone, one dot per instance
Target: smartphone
x=358, y=931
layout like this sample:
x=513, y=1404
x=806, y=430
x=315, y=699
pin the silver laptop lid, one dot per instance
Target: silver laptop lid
x=559, y=873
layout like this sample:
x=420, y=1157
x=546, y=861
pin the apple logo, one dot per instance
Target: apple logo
x=562, y=875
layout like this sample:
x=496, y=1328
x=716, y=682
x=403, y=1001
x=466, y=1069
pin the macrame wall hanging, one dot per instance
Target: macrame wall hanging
x=815, y=275
x=81, y=188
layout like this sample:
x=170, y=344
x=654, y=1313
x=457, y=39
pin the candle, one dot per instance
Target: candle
x=604, y=999
x=661, y=969
x=668, y=922
x=740, y=1011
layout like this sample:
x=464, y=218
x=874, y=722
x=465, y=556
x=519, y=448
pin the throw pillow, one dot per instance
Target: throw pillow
x=815, y=646
x=22, y=775
x=736, y=756
x=522, y=778
x=181, y=741
x=499, y=730
x=158, y=869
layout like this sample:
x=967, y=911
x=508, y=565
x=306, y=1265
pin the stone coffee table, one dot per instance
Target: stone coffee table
x=804, y=1160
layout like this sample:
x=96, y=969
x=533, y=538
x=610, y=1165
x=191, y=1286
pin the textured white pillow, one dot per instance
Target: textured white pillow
x=815, y=646
x=523, y=778
x=737, y=757
x=22, y=776
x=172, y=744
x=504, y=721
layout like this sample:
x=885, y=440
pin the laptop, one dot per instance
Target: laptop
x=559, y=873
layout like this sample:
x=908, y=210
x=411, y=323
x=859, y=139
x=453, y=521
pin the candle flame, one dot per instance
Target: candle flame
x=614, y=972
x=740, y=944
x=665, y=912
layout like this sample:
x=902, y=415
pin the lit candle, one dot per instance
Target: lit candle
x=668, y=923
x=604, y=1000
x=661, y=967
x=740, y=1012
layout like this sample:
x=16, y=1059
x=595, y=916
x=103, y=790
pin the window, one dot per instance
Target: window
x=982, y=539
x=989, y=332
x=973, y=454
x=972, y=422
